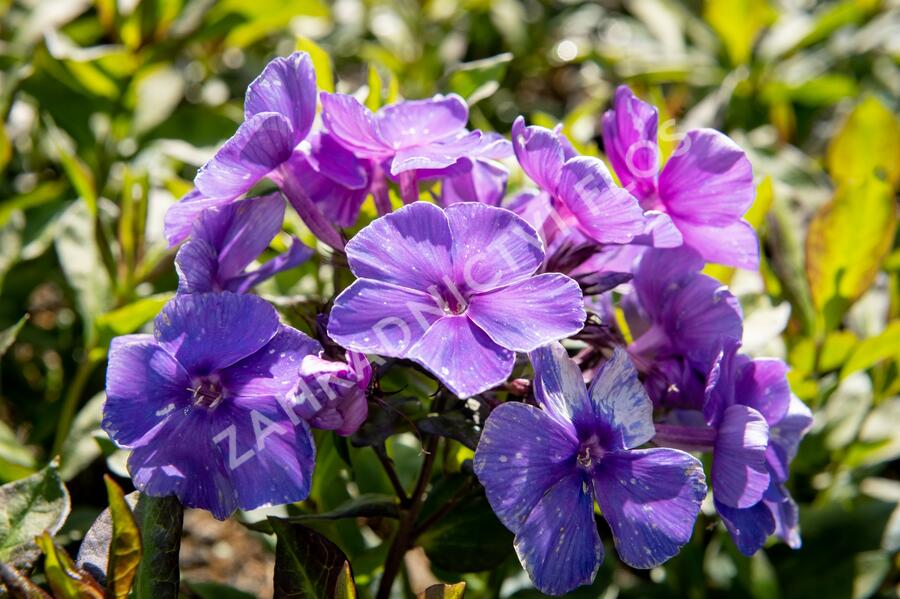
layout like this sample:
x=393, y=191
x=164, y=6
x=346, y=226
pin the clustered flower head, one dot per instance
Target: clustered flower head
x=218, y=404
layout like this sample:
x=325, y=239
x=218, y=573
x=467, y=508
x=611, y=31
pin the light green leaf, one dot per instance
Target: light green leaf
x=80, y=259
x=443, y=591
x=130, y=318
x=868, y=144
x=80, y=447
x=479, y=79
x=373, y=100
x=845, y=245
x=66, y=580
x=874, y=349
x=738, y=23
x=125, y=546
x=29, y=507
x=80, y=176
x=10, y=242
x=8, y=336
x=344, y=587
x=321, y=62
x=16, y=460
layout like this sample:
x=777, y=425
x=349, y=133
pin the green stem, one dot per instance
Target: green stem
x=161, y=519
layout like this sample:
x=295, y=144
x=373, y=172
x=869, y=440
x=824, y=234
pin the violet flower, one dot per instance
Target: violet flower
x=279, y=110
x=226, y=239
x=542, y=470
x=705, y=187
x=201, y=405
x=453, y=290
x=475, y=177
x=579, y=194
x=332, y=395
x=401, y=138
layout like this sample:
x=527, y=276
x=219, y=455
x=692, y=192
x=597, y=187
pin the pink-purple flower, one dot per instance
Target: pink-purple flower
x=705, y=187
x=455, y=291
x=543, y=469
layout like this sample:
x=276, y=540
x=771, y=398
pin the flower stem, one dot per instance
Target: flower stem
x=381, y=452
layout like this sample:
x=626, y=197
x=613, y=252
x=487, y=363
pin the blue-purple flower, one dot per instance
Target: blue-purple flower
x=542, y=470
x=454, y=291
x=201, y=404
x=705, y=187
x=226, y=239
x=475, y=177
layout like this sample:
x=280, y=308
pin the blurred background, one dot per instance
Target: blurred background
x=108, y=107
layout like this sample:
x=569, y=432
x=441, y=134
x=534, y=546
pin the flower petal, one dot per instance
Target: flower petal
x=380, y=318
x=650, y=498
x=749, y=528
x=273, y=370
x=739, y=473
x=353, y=125
x=605, y=212
x=492, y=247
x=144, y=385
x=197, y=264
x=209, y=331
x=629, y=140
x=287, y=86
x=559, y=387
x=328, y=158
x=436, y=155
x=261, y=143
x=181, y=215
x=531, y=313
x=483, y=182
x=420, y=122
x=708, y=180
x=785, y=437
x=296, y=255
x=786, y=514
x=735, y=244
x=540, y=154
x=621, y=403
x=522, y=453
x=462, y=357
x=763, y=385
x=410, y=247
x=559, y=545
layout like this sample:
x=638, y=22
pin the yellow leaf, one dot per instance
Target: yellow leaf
x=66, y=580
x=321, y=62
x=738, y=23
x=125, y=546
x=868, y=144
x=443, y=591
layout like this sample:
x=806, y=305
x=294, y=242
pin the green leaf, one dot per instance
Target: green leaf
x=161, y=519
x=80, y=176
x=479, y=79
x=345, y=588
x=867, y=145
x=81, y=447
x=29, y=507
x=128, y=319
x=443, y=591
x=10, y=242
x=321, y=62
x=845, y=245
x=373, y=100
x=468, y=539
x=874, y=349
x=80, y=260
x=368, y=505
x=307, y=564
x=66, y=580
x=8, y=336
x=16, y=460
x=125, y=547
x=215, y=590
x=738, y=23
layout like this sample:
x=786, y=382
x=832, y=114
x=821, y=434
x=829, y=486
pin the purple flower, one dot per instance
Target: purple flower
x=279, y=110
x=401, y=138
x=201, y=404
x=453, y=290
x=475, y=177
x=332, y=395
x=705, y=187
x=676, y=311
x=542, y=470
x=759, y=425
x=225, y=240
x=578, y=191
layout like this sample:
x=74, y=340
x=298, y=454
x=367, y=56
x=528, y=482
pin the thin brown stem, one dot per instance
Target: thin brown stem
x=388, y=465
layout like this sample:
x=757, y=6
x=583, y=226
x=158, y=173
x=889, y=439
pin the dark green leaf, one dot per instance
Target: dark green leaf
x=307, y=565
x=160, y=522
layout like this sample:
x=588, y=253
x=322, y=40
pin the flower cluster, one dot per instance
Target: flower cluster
x=217, y=405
